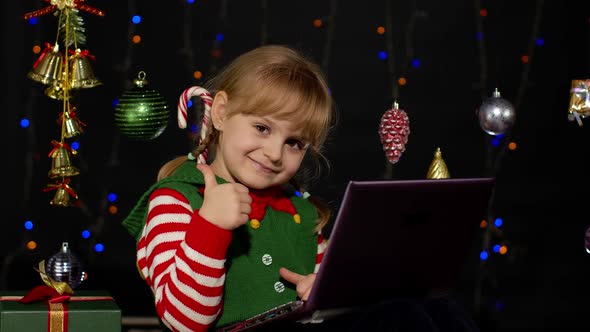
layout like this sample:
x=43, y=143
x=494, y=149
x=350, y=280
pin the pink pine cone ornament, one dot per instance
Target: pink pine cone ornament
x=394, y=130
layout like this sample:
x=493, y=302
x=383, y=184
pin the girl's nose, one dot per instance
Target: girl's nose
x=273, y=150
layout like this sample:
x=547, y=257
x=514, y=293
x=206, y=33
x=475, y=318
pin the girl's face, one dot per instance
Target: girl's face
x=258, y=151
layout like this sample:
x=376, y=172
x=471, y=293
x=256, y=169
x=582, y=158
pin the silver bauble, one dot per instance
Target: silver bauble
x=496, y=115
x=65, y=267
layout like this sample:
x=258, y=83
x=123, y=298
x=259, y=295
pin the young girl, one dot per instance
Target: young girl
x=223, y=238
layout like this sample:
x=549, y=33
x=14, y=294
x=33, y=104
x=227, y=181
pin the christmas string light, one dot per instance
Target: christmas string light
x=330, y=27
x=216, y=51
x=93, y=232
x=533, y=42
x=496, y=147
x=215, y=55
x=481, y=49
x=187, y=46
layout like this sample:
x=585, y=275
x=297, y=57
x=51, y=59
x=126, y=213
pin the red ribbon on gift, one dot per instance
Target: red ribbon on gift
x=44, y=293
x=57, y=309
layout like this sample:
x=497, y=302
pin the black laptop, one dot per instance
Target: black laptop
x=390, y=239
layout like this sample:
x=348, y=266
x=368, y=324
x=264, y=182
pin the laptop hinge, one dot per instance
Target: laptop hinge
x=319, y=316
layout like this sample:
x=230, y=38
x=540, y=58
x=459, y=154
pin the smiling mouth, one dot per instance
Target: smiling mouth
x=263, y=168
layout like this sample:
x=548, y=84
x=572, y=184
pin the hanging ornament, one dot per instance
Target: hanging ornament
x=61, y=198
x=64, y=266
x=579, y=101
x=438, y=168
x=81, y=73
x=142, y=113
x=63, y=193
x=61, y=165
x=63, y=73
x=496, y=115
x=394, y=130
x=48, y=66
x=56, y=90
x=72, y=125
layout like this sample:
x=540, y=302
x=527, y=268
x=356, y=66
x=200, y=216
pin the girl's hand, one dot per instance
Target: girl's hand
x=225, y=205
x=302, y=283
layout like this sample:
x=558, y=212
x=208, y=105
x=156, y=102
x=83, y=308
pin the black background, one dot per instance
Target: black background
x=542, y=186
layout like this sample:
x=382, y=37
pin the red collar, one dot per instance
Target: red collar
x=261, y=198
x=272, y=197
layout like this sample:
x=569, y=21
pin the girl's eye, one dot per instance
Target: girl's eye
x=297, y=144
x=261, y=128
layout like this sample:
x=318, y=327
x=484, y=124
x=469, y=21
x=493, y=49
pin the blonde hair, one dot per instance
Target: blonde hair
x=276, y=80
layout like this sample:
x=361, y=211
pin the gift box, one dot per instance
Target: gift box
x=86, y=311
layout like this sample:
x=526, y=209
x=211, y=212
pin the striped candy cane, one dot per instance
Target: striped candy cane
x=183, y=115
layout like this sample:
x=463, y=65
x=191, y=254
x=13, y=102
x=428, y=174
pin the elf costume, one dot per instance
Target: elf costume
x=202, y=275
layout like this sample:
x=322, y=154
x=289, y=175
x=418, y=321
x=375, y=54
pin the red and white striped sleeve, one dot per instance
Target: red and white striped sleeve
x=182, y=257
x=322, y=244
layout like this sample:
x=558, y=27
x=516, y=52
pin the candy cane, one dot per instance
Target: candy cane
x=183, y=115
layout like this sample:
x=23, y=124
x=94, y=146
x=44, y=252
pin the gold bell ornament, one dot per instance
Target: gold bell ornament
x=141, y=113
x=61, y=198
x=63, y=193
x=48, y=66
x=579, y=106
x=81, y=73
x=60, y=161
x=56, y=90
x=438, y=168
x=72, y=125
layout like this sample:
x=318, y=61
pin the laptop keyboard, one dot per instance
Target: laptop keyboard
x=263, y=317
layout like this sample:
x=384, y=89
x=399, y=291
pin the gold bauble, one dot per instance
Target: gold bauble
x=438, y=168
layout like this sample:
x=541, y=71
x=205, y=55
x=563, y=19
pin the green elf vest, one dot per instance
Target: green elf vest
x=253, y=283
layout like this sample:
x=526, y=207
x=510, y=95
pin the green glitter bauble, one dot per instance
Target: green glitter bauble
x=141, y=113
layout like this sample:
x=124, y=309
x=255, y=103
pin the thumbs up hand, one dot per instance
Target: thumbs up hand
x=226, y=205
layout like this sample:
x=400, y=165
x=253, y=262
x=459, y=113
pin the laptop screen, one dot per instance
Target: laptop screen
x=399, y=238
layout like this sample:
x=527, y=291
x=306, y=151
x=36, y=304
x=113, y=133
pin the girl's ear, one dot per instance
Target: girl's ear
x=219, y=109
